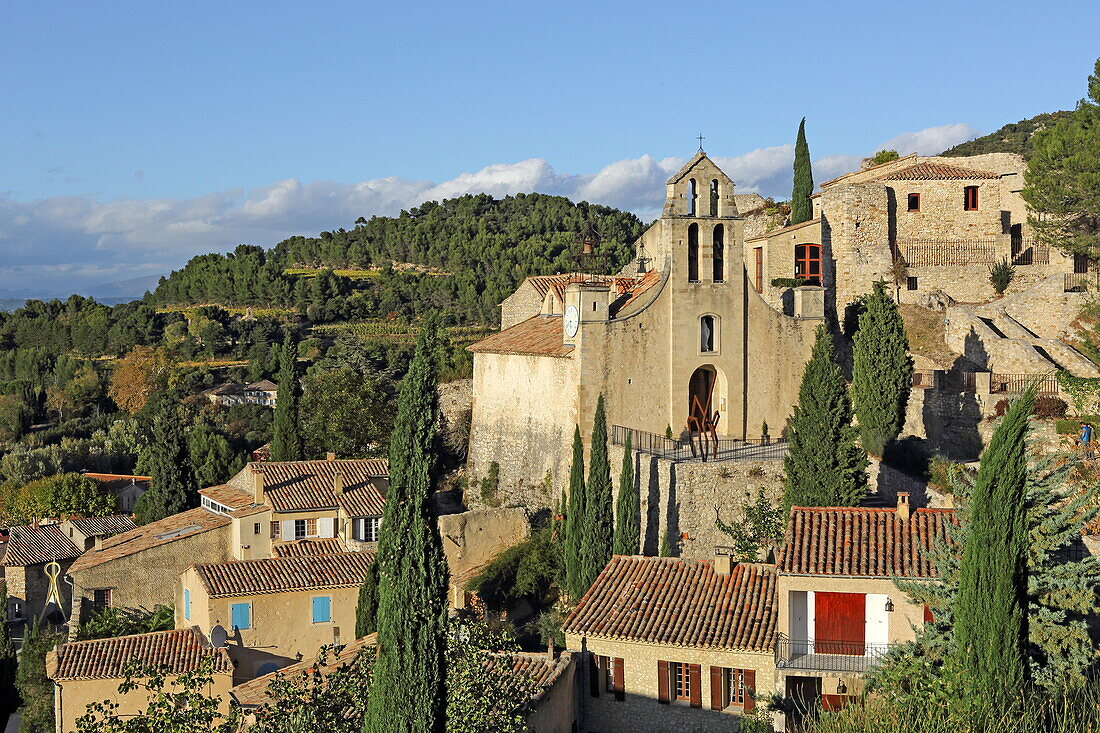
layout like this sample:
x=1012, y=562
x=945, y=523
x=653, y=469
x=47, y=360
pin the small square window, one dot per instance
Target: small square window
x=910, y=283
x=914, y=202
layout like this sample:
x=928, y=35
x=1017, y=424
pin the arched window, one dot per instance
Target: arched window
x=718, y=254
x=807, y=263
x=707, y=337
x=714, y=197
x=693, y=253
x=693, y=195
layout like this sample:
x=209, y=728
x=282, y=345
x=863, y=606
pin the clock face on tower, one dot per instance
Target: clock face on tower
x=572, y=321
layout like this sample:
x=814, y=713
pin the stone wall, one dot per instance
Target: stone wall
x=520, y=305
x=30, y=586
x=1044, y=307
x=473, y=538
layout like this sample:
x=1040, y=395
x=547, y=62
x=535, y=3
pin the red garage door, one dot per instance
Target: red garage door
x=839, y=623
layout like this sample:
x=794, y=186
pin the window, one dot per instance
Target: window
x=365, y=529
x=241, y=615
x=274, y=530
x=1080, y=263
x=759, y=257
x=914, y=202
x=255, y=528
x=608, y=676
x=706, y=333
x=693, y=253
x=735, y=686
x=681, y=681
x=732, y=688
x=807, y=263
x=101, y=598
x=322, y=609
x=305, y=528
x=692, y=196
x=714, y=197
x=678, y=682
x=718, y=254
x=910, y=283
x=187, y=603
x=970, y=198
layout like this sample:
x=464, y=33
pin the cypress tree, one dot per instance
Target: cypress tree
x=802, y=208
x=172, y=486
x=9, y=698
x=598, y=519
x=882, y=372
x=286, y=440
x=991, y=626
x=824, y=466
x=366, y=610
x=628, y=528
x=574, y=520
x=407, y=693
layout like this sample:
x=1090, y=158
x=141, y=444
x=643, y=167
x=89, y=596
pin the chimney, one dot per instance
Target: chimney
x=330, y=456
x=723, y=560
x=338, y=482
x=903, y=505
x=257, y=485
x=550, y=651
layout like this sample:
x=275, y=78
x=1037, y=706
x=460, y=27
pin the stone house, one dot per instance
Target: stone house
x=85, y=672
x=839, y=609
x=139, y=568
x=273, y=504
x=86, y=532
x=28, y=551
x=674, y=645
x=263, y=392
x=273, y=611
x=676, y=340
x=126, y=488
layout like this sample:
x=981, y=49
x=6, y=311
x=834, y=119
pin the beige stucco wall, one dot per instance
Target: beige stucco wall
x=556, y=710
x=148, y=578
x=640, y=710
x=71, y=698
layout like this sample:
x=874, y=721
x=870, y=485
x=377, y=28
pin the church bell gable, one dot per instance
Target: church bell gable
x=700, y=189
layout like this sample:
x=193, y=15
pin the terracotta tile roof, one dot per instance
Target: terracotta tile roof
x=873, y=543
x=677, y=602
x=154, y=534
x=537, y=336
x=929, y=171
x=638, y=287
x=308, y=548
x=99, y=526
x=891, y=163
x=29, y=545
x=254, y=692
x=264, y=385
x=281, y=574
x=785, y=230
x=291, y=486
x=179, y=651
x=229, y=496
x=119, y=481
x=533, y=666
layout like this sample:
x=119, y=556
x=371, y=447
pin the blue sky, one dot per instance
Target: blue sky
x=138, y=134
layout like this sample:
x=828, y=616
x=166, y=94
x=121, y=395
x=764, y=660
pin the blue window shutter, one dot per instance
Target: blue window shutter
x=187, y=603
x=242, y=615
x=322, y=609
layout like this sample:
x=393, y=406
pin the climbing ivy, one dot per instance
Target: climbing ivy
x=1084, y=391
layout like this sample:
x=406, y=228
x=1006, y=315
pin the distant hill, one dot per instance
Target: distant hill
x=131, y=289
x=1012, y=138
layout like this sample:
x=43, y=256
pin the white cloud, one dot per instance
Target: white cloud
x=61, y=243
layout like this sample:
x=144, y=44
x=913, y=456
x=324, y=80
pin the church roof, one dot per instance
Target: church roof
x=699, y=156
x=537, y=336
x=785, y=230
x=930, y=171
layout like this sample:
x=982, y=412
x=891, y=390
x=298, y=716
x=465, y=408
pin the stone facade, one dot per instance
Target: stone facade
x=28, y=588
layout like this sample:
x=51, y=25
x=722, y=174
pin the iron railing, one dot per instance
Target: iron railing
x=1046, y=384
x=936, y=252
x=1079, y=282
x=726, y=449
x=1030, y=253
x=828, y=656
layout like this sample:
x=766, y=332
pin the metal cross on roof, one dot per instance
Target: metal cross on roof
x=700, y=138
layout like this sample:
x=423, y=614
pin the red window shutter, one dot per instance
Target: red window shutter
x=928, y=615
x=593, y=676
x=695, y=681
x=750, y=689
x=662, y=681
x=618, y=678
x=716, y=701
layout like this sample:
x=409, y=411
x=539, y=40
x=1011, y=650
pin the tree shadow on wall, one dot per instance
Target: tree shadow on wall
x=952, y=412
x=651, y=542
x=654, y=540
x=672, y=515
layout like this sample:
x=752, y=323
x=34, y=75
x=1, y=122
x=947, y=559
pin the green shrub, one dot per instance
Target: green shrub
x=789, y=282
x=1001, y=275
x=490, y=485
x=528, y=572
x=1072, y=426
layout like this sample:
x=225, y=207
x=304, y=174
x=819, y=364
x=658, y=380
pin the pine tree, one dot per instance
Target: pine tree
x=172, y=487
x=991, y=607
x=598, y=520
x=9, y=698
x=882, y=372
x=366, y=610
x=574, y=523
x=628, y=528
x=802, y=208
x=407, y=693
x=286, y=441
x=824, y=466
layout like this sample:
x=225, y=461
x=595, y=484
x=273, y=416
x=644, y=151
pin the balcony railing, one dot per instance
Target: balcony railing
x=727, y=449
x=821, y=655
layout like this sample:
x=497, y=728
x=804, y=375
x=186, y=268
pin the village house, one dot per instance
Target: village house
x=263, y=392
x=336, y=503
x=274, y=611
x=126, y=488
x=85, y=672
x=30, y=549
x=839, y=608
x=673, y=644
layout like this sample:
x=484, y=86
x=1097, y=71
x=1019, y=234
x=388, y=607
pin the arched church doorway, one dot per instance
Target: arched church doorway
x=706, y=399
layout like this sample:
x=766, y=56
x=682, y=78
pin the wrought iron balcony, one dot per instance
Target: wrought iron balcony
x=822, y=655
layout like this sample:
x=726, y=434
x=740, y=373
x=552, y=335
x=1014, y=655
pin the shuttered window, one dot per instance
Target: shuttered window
x=732, y=688
x=609, y=673
x=322, y=609
x=187, y=603
x=683, y=682
x=241, y=615
x=365, y=529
